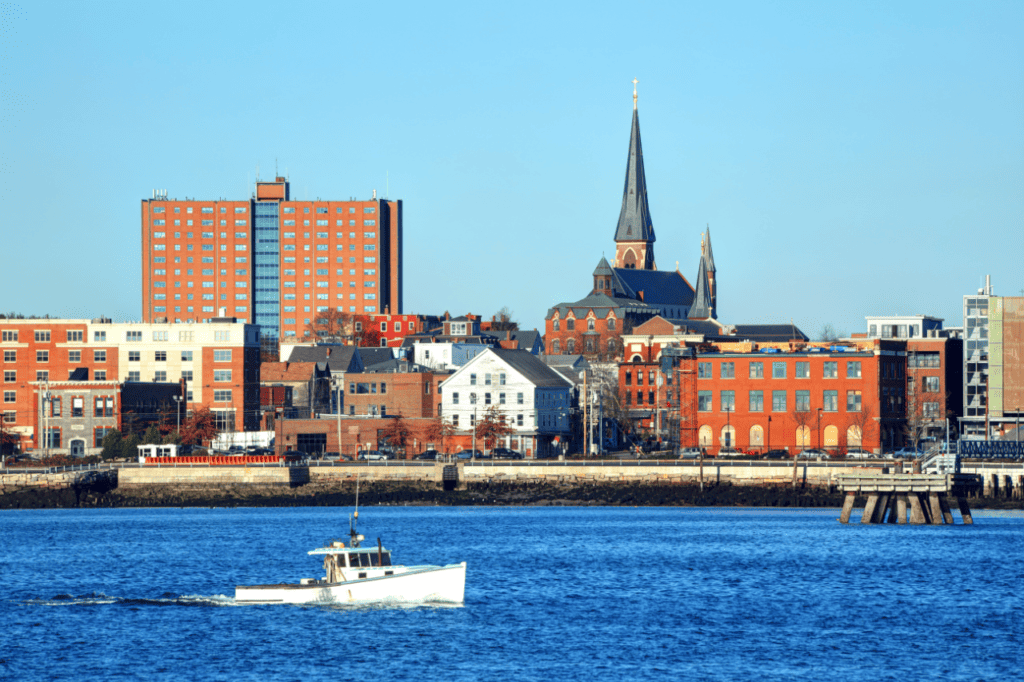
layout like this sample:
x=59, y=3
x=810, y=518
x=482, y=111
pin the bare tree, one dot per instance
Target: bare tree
x=502, y=321
x=863, y=422
x=829, y=333
x=803, y=420
x=330, y=325
x=917, y=421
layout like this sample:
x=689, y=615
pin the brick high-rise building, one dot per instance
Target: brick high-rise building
x=269, y=260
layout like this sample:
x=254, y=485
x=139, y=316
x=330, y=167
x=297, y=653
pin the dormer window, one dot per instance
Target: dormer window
x=555, y=326
x=590, y=324
x=570, y=324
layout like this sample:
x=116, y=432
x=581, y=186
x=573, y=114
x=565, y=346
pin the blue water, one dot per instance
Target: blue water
x=568, y=594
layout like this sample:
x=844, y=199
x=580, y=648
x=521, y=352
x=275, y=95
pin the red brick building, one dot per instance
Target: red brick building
x=394, y=328
x=201, y=255
x=408, y=394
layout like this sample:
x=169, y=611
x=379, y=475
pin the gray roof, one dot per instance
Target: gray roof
x=702, y=308
x=337, y=358
x=526, y=339
x=708, y=256
x=400, y=365
x=635, y=217
x=374, y=355
x=565, y=361
x=603, y=302
x=706, y=327
x=660, y=287
x=531, y=367
x=770, y=332
x=603, y=268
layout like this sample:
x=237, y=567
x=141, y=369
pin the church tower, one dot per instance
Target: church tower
x=634, y=235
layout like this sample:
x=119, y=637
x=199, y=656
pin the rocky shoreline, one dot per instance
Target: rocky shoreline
x=426, y=494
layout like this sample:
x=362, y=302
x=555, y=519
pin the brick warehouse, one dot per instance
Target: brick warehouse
x=218, y=360
x=270, y=260
x=766, y=396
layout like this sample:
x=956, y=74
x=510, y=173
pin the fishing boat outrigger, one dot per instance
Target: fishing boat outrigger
x=358, y=575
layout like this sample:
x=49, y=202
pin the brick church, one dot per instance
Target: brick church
x=631, y=289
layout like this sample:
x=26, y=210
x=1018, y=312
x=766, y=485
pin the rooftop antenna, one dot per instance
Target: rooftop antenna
x=275, y=167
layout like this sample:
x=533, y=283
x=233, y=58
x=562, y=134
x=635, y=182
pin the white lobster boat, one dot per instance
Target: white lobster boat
x=359, y=575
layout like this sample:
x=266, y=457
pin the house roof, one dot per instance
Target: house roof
x=271, y=372
x=769, y=332
x=531, y=367
x=374, y=355
x=526, y=338
x=338, y=358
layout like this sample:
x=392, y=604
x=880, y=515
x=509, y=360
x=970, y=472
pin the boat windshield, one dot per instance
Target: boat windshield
x=369, y=559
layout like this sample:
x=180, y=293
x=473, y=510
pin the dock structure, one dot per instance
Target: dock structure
x=891, y=496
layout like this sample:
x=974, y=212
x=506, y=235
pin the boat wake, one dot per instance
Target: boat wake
x=100, y=599
x=219, y=600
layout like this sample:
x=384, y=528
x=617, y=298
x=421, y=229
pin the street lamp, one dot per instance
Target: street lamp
x=177, y=412
x=819, y=429
x=768, y=445
x=728, y=427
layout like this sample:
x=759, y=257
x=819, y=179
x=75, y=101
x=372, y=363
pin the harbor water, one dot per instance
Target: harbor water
x=568, y=594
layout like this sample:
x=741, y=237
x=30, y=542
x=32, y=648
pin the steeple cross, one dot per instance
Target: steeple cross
x=635, y=81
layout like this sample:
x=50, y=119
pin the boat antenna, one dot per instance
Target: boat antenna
x=353, y=519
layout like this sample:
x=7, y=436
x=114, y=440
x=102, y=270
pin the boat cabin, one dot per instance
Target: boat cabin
x=343, y=563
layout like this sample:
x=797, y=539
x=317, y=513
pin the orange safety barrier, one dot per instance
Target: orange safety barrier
x=218, y=460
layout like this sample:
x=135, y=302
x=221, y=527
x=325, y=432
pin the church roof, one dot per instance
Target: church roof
x=603, y=268
x=635, y=217
x=600, y=302
x=660, y=287
x=709, y=257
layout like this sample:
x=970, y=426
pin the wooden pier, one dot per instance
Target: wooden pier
x=891, y=496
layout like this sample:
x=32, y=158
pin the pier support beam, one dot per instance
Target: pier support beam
x=883, y=504
x=869, y=508
x=917, y=517
x=965, y=511
x=934, y=510
x=893, y=508
x=847, y=507
x=901, y=509
x=947, y=515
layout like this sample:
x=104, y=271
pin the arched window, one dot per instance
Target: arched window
x=637, y=358
x=555, y=347
x=611, y=346
x=611, y=324
x=830, y=436
x=803, y=437
x=570, y=324
x=728, y=439
x=556, y=326
x=570, y=346
x=705, y=436
x=756, y=436
x=853, y=437
x=590, y=324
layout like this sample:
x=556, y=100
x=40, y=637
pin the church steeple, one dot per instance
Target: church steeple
x=705, y=304
x=634, y=235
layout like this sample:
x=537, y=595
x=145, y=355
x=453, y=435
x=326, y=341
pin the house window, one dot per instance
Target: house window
x=570, y=346
x=611, y=324
x=519, y=398
x=853, y=369
x=555, y=347
x=472, y=379
x=455, y=420
x=554, y=326
x=830, y=370
x=590, y=324
x=778, y=401
x=757, y=401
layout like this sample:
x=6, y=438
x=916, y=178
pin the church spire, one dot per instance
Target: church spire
x=634, y=234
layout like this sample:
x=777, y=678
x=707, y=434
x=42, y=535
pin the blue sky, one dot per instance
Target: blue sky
x=851, y=159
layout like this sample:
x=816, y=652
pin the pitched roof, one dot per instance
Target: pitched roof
x=602, y=302
x=635, y=217
x=709, y=257
x=660, y=287
x=288, y=371
x=770, y=332
x=374, y=355
x=338, y=358
x=526, y=338
x=603, y=268
x=531, y=367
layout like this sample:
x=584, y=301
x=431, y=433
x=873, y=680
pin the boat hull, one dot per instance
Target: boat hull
x=421, y=584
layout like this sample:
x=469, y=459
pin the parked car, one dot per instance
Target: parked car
x=906, y=453
x=730, y=452
x=858, y=453
x=294, y=456
x=689, y=453
x=776, y=454
x=430, y=455
x=813, y=453
x=372, y=455
x=469, y=454
x=336, y=457
x=506, y=453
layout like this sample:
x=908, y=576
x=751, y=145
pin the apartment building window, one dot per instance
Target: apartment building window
x=160, y=356
x=830, y=401
x=100, y=375
x=42, y=356
x=10, y=396
x=9, y=335
x=853, y=403
x=42, y=375
x=931, y=410
x=853, y=369
x=222, y=375
x=703, y=400
x=830, y=370
x=186, y=356
x=757, y=401
x=455, y=420
x=10, y=376
x=42, y=337
x=778, y=401
x=803, y=370
x=10, y=356
x=186, y=374
x=727, y=400
x=222, y=336
x=133, y=336
x=75, y=335
x=487, y=398
x=222, y=356
x=727, y=370
x=74, y=356
x=778, y=370
x=134, y=356
x=703, y=370
x=222, y=395
x=931, y=384
x=803, y=401
x=160, y=376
